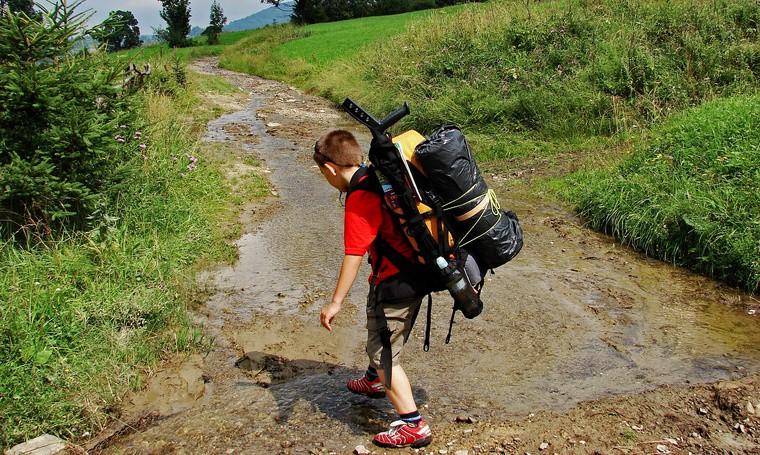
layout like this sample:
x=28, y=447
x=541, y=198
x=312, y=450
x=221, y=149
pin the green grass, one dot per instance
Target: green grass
x=83, y=316
x=690, y=195
x=297, y=54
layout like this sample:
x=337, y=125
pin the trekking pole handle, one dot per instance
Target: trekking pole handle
x=394, y=117
x=377, y=128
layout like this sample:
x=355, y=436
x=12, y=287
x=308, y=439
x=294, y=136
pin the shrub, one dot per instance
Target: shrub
x=60, y=115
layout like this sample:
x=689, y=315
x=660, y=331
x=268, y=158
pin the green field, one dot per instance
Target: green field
x=298, y=54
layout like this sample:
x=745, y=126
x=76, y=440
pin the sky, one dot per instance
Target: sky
x=146, y=11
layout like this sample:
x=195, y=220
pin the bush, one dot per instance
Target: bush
x=61, y=145
x=691, y=195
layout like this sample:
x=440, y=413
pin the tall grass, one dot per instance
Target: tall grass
x=691, y=195
x=83, y=316
x=558, y=70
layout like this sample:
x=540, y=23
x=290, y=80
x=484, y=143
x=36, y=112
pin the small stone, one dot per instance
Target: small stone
x=466, y=419
x=516, y=439
x=43, y=445
x=443, y=451
x=273, y=124
x=637, y=427
x=703, y=411
x=662, y=448
x=750, y=408
x=291, y=100
x=543, y=446
x=361, y=450
x=582, y=442
x=285, y=444
x=467, y=431
x=461, y=452
x=229, y=451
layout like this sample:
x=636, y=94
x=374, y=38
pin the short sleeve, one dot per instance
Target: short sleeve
x=362, y=222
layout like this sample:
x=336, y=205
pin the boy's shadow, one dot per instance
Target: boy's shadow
x=321, y=384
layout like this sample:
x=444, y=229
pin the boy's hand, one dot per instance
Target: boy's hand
x=328, y=314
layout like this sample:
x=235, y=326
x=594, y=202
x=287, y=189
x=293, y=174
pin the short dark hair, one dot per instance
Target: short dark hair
x=338, y=147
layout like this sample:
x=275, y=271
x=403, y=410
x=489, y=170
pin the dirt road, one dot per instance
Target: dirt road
x=583, y=345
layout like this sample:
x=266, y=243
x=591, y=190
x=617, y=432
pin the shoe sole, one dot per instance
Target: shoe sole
x=415, y=445
x=371, y=395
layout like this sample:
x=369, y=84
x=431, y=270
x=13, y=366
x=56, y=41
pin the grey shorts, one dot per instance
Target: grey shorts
x=400, y=316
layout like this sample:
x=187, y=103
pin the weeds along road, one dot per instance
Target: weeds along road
x=576, y=336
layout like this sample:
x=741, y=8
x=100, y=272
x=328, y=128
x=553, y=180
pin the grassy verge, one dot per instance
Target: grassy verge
x=83, y=317
x=691, y=195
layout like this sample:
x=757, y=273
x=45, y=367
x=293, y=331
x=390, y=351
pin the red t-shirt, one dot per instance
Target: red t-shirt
x=365, y=219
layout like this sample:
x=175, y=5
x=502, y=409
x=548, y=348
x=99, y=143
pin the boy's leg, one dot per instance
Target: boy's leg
x=411, y=429
x=400, y=393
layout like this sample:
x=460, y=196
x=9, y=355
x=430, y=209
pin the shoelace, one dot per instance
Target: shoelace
x=395, y=427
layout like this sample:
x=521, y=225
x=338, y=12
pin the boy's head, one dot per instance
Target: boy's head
x=338, y=155
x=338, y=147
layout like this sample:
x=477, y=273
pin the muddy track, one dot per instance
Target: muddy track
x=575, y=332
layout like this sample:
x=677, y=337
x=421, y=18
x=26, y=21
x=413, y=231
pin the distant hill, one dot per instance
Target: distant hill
x=264, y=17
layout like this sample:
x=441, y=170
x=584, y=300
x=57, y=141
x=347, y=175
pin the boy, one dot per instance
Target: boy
x=394, y=299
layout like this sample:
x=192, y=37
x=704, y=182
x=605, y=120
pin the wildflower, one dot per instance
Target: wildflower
x=137, y=135
x=193, y=162
x=120, y=139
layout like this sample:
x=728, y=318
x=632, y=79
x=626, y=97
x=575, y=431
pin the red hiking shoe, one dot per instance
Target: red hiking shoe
x=363, y=386
x=402, y=434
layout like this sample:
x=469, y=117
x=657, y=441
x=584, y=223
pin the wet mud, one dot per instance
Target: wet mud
x=575, y=329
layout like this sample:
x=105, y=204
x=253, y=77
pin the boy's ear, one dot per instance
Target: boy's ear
x=331, y=168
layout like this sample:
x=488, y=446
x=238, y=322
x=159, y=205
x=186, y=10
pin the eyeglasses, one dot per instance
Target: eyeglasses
x=326, y=158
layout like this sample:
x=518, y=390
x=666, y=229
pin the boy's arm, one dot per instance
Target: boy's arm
x=348, y=271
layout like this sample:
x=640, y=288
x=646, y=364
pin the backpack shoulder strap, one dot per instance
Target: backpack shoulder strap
x=364, y=179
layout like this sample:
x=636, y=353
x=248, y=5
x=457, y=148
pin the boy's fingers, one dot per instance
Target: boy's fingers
x=325, y=323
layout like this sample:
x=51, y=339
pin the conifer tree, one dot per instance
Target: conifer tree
x=176, y=13
x=216, y=24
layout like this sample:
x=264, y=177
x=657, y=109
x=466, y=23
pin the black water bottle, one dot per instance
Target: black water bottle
x=466, y=299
